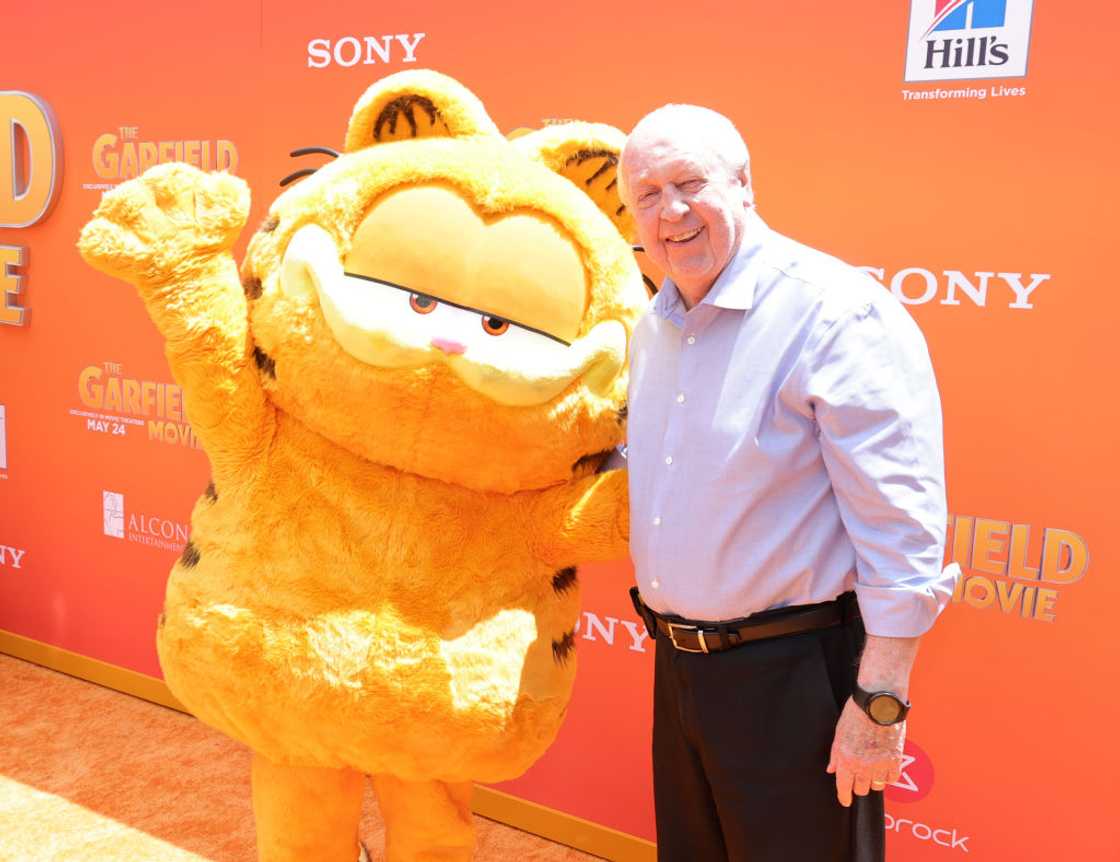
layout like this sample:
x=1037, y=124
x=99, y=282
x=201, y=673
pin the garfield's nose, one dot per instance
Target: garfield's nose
x=449, y=347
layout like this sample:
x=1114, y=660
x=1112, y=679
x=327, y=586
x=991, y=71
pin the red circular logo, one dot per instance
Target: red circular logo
x=915, y=781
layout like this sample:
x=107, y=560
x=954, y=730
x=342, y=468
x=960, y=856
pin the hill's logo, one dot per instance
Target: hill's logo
x=142, y=529
x=953, y=40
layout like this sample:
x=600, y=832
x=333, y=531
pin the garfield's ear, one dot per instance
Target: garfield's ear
x=416, y=104
x=587, y=154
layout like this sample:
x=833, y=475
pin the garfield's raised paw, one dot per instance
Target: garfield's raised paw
x=165, y=224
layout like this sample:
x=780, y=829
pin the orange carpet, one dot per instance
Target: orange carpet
x=88, y=774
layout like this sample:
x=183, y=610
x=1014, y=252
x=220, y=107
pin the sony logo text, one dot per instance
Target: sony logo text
x=10, y=557
x=605, y=628
x=367, y=50
x=917, y=286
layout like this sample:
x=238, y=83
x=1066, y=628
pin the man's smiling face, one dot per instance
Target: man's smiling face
x=689, y=203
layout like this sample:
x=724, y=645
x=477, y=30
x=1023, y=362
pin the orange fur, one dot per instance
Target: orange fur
x=372, y=590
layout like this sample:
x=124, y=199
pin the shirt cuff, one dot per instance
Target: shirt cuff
x=906, y=611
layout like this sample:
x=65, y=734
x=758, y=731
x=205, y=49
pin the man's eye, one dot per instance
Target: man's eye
x=646, y=197
x=422, y=304
x=692, y=185
x=494, y=325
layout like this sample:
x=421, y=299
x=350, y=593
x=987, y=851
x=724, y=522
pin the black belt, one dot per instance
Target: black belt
x=708, y=637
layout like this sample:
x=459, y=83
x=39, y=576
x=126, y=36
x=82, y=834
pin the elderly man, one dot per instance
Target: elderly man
x=787, y=491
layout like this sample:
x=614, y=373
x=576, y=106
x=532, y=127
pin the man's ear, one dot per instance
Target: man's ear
x=416, y=104
x=587, y=154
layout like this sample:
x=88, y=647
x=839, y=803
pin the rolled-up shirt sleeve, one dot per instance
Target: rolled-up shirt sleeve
x=870, y=384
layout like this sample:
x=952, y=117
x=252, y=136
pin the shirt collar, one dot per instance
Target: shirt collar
x=734, y=287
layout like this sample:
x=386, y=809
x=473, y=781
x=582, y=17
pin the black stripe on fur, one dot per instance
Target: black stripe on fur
x=252, y=285
x=404, y=106
x=589, y=464
x=191, y=556
x=564, y=580
x=264, y=362
x=563, y=648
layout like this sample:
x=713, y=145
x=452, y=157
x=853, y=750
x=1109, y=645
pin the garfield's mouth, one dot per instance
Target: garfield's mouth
x=377, y=324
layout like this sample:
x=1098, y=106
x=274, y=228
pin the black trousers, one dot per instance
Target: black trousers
x=741, y=740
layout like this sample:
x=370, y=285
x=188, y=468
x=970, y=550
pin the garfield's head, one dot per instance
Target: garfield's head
x=448, y=302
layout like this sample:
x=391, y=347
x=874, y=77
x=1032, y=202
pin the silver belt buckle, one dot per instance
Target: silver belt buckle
x=699, y=634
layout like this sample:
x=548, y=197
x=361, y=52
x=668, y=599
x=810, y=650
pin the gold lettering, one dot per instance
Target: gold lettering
x=985, y=596
x=962, y=540
x=989, y=539
x=106, y=162
x=90, y=391
x=1008, y=595
x=1046, y=600
x=1017, y=556
x=149, y=155
x=11, y=285
x=1057, y=544
x=132, y=397
x=30, y=155
x=113, y=394
x=148, y=396
x=226, y=157
x=130, y=161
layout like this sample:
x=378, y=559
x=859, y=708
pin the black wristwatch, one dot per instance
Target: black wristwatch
x=882, y=707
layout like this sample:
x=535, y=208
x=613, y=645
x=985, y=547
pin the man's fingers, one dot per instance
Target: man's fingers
x=861, y=784
x=880, y=780
x=844, y=786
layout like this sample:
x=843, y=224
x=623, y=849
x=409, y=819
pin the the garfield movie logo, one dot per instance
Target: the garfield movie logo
x=125, y=153
x=115, y=404
x=1017, y=569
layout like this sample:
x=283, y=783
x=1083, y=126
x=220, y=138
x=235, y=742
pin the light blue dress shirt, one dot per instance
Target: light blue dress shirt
x=784, y=445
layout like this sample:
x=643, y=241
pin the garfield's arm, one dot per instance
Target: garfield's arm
x=168, y=233
x=584, y=521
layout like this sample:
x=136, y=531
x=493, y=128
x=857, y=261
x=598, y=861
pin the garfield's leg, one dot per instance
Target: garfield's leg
x=305, y=813
x=425, y=821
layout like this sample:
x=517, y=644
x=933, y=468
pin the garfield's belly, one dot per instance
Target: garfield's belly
x=368, y=689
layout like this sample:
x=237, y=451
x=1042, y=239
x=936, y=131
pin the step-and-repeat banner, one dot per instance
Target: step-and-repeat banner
x=963, y=152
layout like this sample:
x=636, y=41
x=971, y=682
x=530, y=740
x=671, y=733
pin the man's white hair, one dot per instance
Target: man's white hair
x=710, y=129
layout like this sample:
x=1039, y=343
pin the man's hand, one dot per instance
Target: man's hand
x=865, y=755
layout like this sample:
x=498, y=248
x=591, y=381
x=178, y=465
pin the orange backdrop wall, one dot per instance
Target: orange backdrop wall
x=987, y=204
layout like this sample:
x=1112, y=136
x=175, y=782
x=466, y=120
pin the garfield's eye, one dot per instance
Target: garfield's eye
x=494, y=325
x=422, y=304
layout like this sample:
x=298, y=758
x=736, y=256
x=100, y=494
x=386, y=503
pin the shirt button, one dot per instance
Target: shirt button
x=680, y=398
x=691, y=339
x=668, y=459
x=655, y=584
x=657, y=521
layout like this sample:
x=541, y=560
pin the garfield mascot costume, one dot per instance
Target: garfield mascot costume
x=405, y=398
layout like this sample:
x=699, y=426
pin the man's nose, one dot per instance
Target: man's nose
x=674, y=208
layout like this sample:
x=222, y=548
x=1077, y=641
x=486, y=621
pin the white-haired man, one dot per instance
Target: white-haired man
x=787, y=514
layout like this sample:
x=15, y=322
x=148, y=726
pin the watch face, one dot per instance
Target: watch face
x=884, y=709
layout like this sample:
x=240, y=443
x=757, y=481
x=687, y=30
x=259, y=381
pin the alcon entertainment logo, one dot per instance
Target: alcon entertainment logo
x=954, y=40
x=141, y=529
